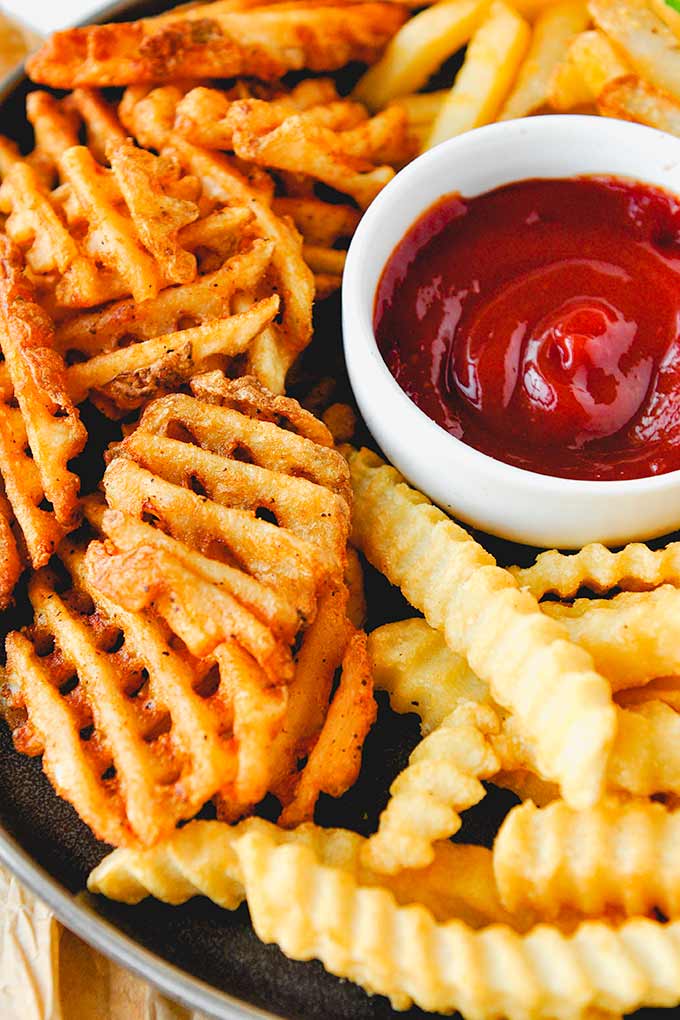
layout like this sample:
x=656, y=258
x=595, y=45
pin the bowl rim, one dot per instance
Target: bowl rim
x=72, y=910
x=362, y=331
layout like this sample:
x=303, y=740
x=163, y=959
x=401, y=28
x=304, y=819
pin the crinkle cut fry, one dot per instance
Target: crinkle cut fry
x=633, y=637
x=200, y=860
x=620, y=858
x=214, y=40
x=131, y=766
x=636, y=567
x=441, y=780
x=53, y=430
x=312, y=906
x=563, y=706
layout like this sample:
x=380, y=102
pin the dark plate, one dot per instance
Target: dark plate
x=207, y=958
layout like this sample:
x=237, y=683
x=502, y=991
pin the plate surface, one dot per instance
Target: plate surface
x=204, y=957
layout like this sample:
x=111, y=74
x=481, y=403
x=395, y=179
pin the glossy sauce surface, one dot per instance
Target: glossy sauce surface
x=540, y=324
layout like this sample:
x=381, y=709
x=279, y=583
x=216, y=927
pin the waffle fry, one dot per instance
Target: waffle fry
x=130, y=728
x=635, y=568
x=616, y=858
x=104, y=130
x=564, y=706
x=217, y=41
x=335, y=760
x=313, y=909
x=201, y=859
x=631, y=637
x=11, y=563
x=40, y=435
x=441, y=780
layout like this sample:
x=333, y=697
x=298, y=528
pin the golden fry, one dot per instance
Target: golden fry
x=617, y=858
x=563, y=706
x=647, y=43
x=631, y=98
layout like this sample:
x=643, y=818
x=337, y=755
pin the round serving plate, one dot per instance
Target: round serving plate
x=206, y=958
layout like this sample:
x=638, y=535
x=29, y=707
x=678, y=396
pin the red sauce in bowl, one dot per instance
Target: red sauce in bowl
x=540, y=324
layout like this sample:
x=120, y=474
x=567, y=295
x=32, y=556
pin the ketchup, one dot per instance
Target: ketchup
x=540, y=324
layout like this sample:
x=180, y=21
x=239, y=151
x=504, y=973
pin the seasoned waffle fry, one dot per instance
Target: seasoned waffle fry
x=412, y=662
x=320, y=223
x=553, y=30
x=563, y=705
x=200, y=860
x=632, y=637
x=335, y=760
x=311, y=910
x=418, y=49
x=216, y=41
x=55, y=128
x=103, y=127
x=294, y=280
x=131, y=375
x=116, y=710
x=616, y=858
x=10, y=557
x=43, y=433
x=635, y=568
x=441, y=780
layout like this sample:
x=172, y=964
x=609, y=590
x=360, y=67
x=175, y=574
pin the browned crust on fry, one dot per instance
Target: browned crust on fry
x=210, y=41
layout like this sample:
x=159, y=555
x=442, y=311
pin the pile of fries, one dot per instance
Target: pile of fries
x=196, y=643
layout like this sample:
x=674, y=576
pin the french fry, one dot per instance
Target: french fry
x=412, y=662
x=647, y=43
x=421, y=107
x=40, y=435
x=631, y=98
x=418, y=49
x=634, y=568
x=98, y=716
x=527, y=786
x=500, y=629
x=441, y=780
x=645, y=758
x=492, y=60
x=591, y=62
x=668, y=13
x=632, y=638
x=200, y=860
x=664, y=688
x=335, y=760
x=616, y=858
x=552, y=32
x=217, y=42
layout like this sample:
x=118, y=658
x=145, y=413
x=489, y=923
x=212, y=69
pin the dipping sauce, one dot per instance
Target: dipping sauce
x=540, y=324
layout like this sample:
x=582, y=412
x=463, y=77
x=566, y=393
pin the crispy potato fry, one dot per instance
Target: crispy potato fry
x=421, y=108
x=216, y=41
x=125, y=732
x=200, y=859
x=527, y=786
x=11, y=563
x=356, y=601
x=668, y=13
x=100, y=119
x=418, y=49
x=563, y=706
x=335, y=760
x=590, y=63
x=43, y=432
x=294, y=280
x=634, y=568
x=663, y=688
x=645, y=758
x=491, y=973
x=647, y=43
x=631, y=98
x=632, y=637
x=441, y=780
x=55, y=129
x=617, y=858
x=320, y=223
x=492, y=60
x=413, y=663
x=552, y=32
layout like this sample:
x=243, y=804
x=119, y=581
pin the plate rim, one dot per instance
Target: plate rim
x=83, y=921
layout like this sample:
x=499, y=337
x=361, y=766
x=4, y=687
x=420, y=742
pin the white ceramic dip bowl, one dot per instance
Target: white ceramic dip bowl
x=504, y=500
